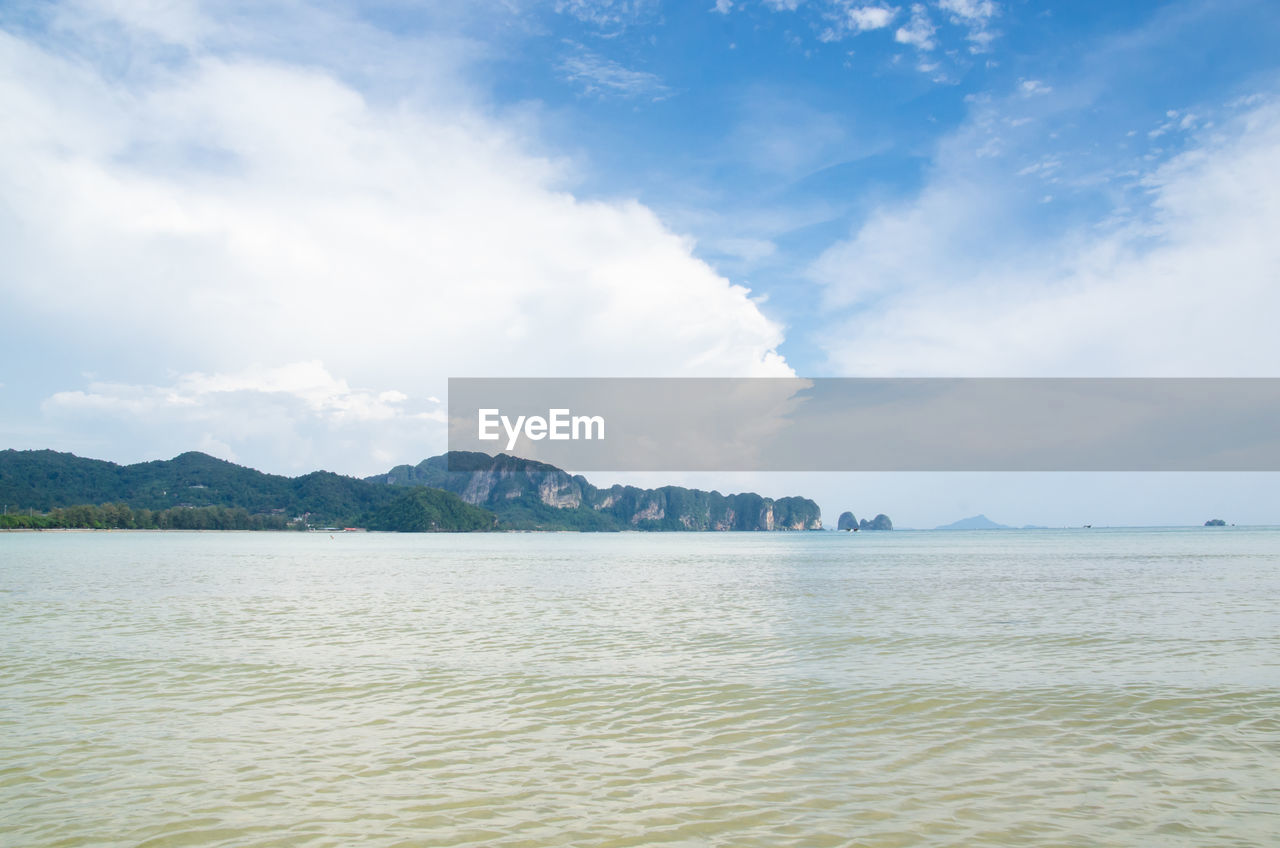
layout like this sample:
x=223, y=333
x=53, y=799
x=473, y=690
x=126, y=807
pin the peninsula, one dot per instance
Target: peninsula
x=47, y=489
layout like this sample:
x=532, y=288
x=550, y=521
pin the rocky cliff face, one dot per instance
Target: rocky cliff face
x=534, y=494
x=481, y=479
x=847, y=522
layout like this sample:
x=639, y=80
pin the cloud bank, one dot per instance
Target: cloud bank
x=952, y=283
x=228, y=212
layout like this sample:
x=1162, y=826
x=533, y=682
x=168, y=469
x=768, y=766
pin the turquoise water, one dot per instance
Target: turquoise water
x=1104, y=687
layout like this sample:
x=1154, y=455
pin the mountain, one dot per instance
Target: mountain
x=847, y=522
x=197, y=491
x=977, y=522
x=527, y=494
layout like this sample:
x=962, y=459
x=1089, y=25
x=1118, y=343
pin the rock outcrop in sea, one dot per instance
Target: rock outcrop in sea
x=880, y=522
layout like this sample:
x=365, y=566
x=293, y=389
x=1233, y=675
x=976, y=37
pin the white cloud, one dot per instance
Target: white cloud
x=601, y=76
x=724, y=7
x=1177, y=122
x=865, y=18
x=1044, y=167
x=325, y=395
x=919, y=31
x=310, y=384
x=607, y=14
x=191, y=212
x=851, y=20
x=228, y=210
x=969, y=10
x=175, y=21
x=980, y=41
x=1031, y=88
x=976, y=15
x=263, y=410
x=1186, y=290
x=844, y=18
x=744, y=248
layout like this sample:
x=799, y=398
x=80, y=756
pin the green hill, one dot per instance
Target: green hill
x=198, y=491
x=422, y=510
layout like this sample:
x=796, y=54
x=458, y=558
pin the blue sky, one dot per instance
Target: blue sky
x=272, y=231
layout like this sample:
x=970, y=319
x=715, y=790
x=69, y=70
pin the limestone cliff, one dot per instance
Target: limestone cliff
x=533, y=495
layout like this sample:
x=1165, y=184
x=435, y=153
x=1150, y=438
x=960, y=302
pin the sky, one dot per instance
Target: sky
x=271, y=231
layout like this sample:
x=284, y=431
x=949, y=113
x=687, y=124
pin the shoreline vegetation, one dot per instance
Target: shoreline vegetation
x=458, y=492
x=119, y=516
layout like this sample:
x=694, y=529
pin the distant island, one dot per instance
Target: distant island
x=848, y=522
x=981, y=522
x=45, y=489
x=1215, y=522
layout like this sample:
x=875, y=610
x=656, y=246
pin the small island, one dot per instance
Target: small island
x=880, y=522
x=850, y=524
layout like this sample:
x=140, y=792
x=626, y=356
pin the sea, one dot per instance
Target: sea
x=1085, y=687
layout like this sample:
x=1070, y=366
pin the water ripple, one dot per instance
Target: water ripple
x=929, y=689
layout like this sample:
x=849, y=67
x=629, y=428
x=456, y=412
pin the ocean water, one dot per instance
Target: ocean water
x=1103, y=687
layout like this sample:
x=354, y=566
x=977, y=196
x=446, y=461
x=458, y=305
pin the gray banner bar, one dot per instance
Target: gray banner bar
x=658, y=424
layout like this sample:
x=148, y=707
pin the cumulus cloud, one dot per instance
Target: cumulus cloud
x=274, y=410
x=852, y=20
x=864, y=18
x=976, y=15
x=969, y=10
x=222, y=209
x=1186, y=288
